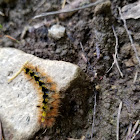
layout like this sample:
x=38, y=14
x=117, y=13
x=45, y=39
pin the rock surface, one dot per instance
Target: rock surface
x=18, y=99
x=131, y=11
x=103, y=8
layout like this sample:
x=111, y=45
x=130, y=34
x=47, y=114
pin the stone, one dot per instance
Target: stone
x=131, y=11
x=57, y=31
x=18, y=99
x=103, y=8
x=129, y=55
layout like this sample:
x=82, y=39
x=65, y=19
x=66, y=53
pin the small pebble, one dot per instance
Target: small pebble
x=57, y=31
x=97, y=87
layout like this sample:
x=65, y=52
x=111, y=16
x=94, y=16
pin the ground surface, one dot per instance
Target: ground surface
x=93, y=28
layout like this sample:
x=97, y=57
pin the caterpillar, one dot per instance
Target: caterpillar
x=49, y=98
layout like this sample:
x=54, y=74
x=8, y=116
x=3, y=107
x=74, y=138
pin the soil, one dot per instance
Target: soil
x=90, y=43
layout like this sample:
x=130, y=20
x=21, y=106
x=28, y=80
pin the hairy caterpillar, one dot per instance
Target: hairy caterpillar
x=49, y=99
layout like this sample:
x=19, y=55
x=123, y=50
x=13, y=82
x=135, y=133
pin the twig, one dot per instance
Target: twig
x=18, y=72
x=97, y=44
x=138, y=131
x=115, y=49
x=94, y=113
x=116, y=46
x=97, y=51
x=44, y=131
x=135, y=77
x=134, y=129
x=40, y=4
x=116, y=62
x=2, y=14
x=10, y=37
x=129, y=35
x=111, y=66
x=72, y=5
x=116, y=54
x=129, y=131
x=71, y=10
x=63, y=4
x=118, y=118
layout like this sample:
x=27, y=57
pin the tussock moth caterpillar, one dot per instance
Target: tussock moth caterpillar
x=49, y=98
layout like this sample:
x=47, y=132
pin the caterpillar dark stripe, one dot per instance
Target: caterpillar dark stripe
x=49, y=99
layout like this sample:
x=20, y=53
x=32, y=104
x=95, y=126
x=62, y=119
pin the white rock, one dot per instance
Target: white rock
x=56, y=31
x=131, y=11
x=18, y=99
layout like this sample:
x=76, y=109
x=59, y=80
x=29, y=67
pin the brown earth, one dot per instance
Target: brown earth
x=93, y=28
